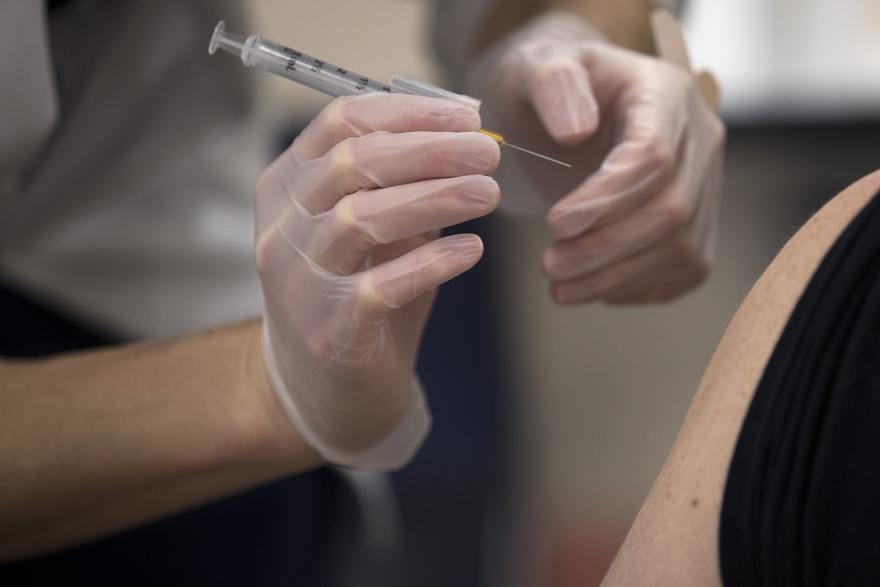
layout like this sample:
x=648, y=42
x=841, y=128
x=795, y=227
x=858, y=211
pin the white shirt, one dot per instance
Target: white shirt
x=135, y=212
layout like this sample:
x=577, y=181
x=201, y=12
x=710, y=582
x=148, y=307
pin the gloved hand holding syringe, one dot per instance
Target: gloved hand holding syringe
x=256, y=51
x=350, y=252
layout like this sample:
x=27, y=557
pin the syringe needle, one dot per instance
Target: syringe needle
x=499, y=138
x=545, y=157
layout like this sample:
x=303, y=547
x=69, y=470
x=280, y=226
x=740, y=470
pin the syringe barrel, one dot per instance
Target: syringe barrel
x=257, y=51
x=405, y=85
x=304, y=69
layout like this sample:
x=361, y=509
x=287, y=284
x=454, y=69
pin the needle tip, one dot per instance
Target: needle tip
x=539, y=155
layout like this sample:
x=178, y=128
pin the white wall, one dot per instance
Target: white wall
x=791, y=58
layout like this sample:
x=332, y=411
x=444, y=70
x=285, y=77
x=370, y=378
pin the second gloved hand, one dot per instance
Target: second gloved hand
x=347, y=223
x=634, y=221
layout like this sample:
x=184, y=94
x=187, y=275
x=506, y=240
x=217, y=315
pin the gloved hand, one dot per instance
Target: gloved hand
x=347, y=248
x=634, y=221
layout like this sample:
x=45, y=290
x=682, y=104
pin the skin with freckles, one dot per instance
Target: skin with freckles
x=674, y=540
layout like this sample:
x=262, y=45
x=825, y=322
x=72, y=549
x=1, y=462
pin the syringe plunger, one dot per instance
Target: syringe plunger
x=229, y=42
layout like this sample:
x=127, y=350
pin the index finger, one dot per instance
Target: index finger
x=353, y=116
x=643, y=161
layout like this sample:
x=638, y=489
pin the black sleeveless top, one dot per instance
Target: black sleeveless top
x=802, y=500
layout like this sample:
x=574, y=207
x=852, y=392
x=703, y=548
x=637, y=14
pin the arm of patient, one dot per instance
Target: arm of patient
x=674, y=539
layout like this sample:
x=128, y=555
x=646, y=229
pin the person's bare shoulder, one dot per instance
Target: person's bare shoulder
x=674, y=540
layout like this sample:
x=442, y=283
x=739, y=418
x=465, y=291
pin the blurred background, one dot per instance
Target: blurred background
x=551, y=423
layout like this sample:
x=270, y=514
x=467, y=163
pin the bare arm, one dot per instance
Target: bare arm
x=625, y=22
x=95, y=442
x=674, y=540
x=462, y=32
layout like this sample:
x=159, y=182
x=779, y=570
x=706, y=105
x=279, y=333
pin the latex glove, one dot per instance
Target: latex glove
x=347, y=221
x=634, y=221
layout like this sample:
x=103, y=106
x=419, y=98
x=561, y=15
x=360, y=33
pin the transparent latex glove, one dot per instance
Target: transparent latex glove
x=634, y=221
x=347, y=248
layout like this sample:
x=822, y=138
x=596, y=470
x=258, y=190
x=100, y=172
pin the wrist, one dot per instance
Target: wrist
x=550, y=27
x=562, y=24
x=399, y=434
x=626, y=25
x=268, y=436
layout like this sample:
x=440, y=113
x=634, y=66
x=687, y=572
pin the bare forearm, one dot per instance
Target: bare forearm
x=91, y=443
x=624, y=22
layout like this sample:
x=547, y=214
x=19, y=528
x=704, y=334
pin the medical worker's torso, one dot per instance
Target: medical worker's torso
x=128, y=160
x=127, y=163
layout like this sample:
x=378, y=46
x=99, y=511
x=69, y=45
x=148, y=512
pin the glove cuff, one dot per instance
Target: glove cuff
x=394, y=451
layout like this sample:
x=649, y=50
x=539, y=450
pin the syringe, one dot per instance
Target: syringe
x=257, y=51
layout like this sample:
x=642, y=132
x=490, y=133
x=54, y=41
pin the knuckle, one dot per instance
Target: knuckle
x=355, y=157
x=331, y=116
x=339, y=116
x=557, y=66
x=533, y=50
x=675, y=214
x=551, y=264
x=592, y=52
x=345, y=222
x=345, y=157
x=563, y=264
x=658, y=154
x=563, y=221
x=348, y=226
x=264, y=253
x=261, y=258
x=369, y=299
